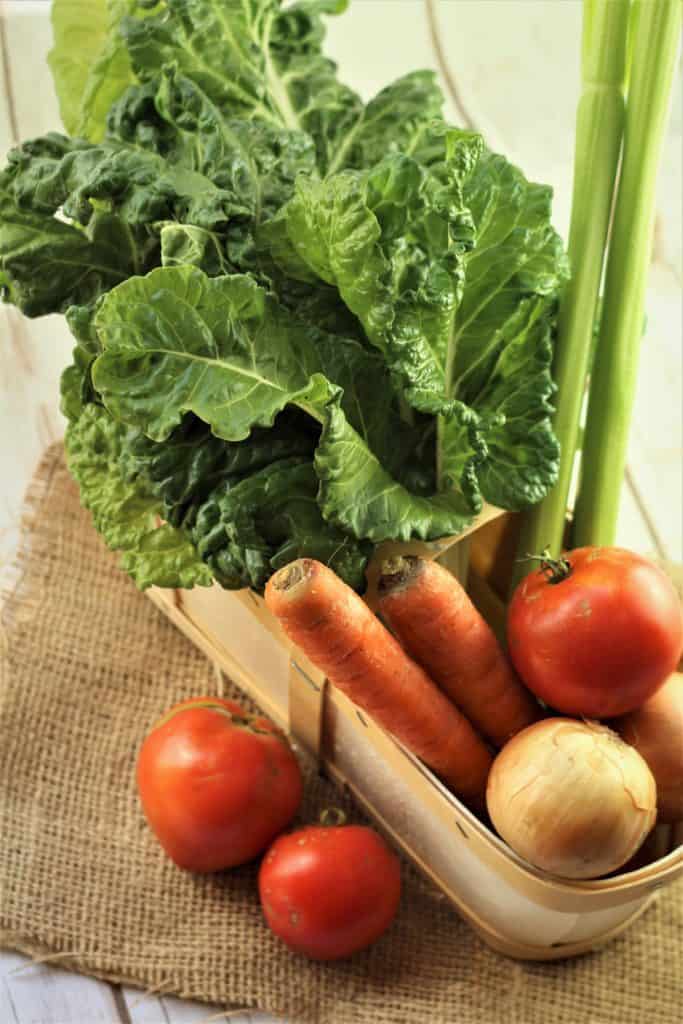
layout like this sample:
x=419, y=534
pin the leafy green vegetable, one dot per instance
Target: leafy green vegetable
x=358, y=494
x=397, y=120
x=186, y=245
x=254, y=60
x=392, y=241
x=226, y=351
x=244, y=509
x=249, y=506
x=125, y=513
x=188, y=466
x=501, y=348
x=56, y=173
x=254, y=162
x=47, y=265
x=89, y=61
x=59, y=244
x=459, y=324
x=303, y=324
x=248, y=530
x=178, y=341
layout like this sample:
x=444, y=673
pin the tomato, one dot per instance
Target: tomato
x=601, y=637
x=216, y=784
x=329, y=891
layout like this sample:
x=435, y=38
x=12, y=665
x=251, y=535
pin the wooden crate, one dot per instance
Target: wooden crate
x=517, y=909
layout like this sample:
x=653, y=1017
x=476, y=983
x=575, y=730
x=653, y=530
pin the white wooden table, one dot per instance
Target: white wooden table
x=515, y=67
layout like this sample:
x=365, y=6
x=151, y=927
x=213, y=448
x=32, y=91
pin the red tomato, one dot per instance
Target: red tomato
x=602, y=639
x=329, y=891
x=216, y=784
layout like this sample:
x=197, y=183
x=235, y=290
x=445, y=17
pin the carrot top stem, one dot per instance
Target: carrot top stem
x=397, y=571
x=290, y=575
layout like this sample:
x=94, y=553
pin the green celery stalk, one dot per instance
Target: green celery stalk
x=613, y=379
x=599, y=129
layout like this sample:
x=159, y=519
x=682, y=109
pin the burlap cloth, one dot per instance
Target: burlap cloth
x=87, y=665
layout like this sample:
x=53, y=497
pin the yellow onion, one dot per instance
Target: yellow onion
x=571, y=797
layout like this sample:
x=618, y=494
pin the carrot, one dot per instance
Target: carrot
x=335, y=629
x=438, y=625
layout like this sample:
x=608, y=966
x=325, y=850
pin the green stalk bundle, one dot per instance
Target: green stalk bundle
x=613, y=384
x=623, y=44
x=599, y=128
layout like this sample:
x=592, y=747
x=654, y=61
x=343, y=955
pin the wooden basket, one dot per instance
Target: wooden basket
x=517, y=909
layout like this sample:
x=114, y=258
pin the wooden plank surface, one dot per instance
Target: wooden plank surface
x=515, y=64
x=38, y=994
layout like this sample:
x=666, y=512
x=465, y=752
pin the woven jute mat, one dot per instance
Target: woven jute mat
x=87, y=665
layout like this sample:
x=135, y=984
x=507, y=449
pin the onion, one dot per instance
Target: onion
x=656, y=731
x=571, y=797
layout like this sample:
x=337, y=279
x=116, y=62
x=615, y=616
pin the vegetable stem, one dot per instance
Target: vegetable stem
x=277, y=87
x=599, y=127
x=613, y=385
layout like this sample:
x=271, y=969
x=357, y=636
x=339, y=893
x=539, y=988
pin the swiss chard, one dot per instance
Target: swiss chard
x=125, y=513
x=253, y=59
x=453, y=269
x=89, y=61
x=304, y=324
x=224, y=350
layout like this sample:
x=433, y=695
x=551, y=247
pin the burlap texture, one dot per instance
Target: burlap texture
x=87, y=665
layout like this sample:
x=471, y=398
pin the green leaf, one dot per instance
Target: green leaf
x=257, y=161
x=317, y=304
x=448, y=260
x=502, y=335
x=360, y=496
x=72, y=386
x=245, y=508
x=171, y=116
x=75, y=386
x=247, y=530
x=253, y=60
x=134, y=120
x=314, y=324
x=124, y=513
x=517, y=254
x=188, y=166
x=61, y=243
x=250, y=505
x=523, y=452
x=177, y=341
x=47, y=265
x=396, y=120
x=392, y=240
x=186, y=245
x=222, y=348
x=53, y=173
x=187, y=467
x=89, y=61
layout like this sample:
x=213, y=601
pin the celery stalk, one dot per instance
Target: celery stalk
x=599, y=127
x=613, y=378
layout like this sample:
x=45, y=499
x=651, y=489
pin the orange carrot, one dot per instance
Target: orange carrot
x=335, y=629
x=438, y=625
